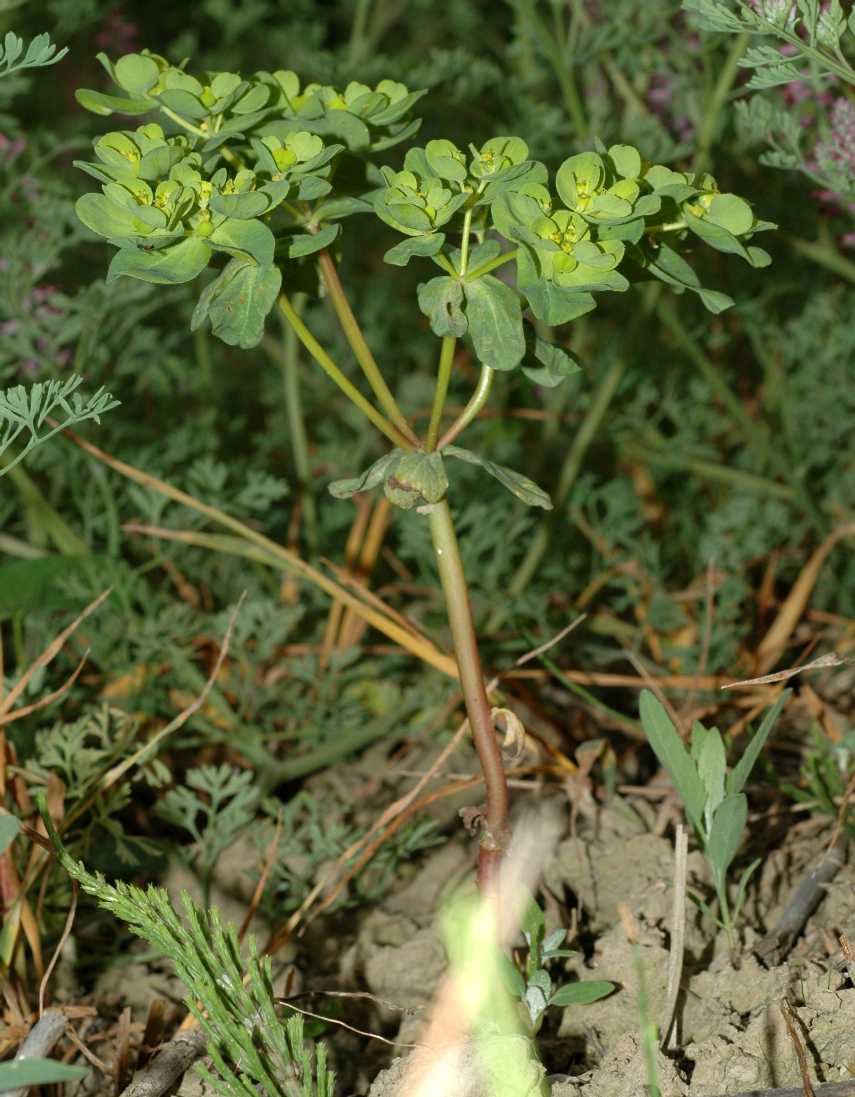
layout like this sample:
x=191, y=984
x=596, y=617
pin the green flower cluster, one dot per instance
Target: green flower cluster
x=439, y=179
x=239, y=178
x=612, y=206
x=224, y=105
x=167, y=218
x=362, y=117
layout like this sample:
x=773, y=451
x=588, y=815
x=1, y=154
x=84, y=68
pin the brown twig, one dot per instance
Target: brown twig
x=169, y=1065
x=803, y=902
x=791, y=1020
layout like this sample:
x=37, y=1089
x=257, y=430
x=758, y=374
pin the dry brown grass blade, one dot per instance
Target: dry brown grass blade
x=370, y=598
x=43, y=702
x=353, y=627
x=49, y=653
x=284, y=557
x=790, y=613
x=351, y=551
x=384, y=623
x=118, y=771
x=830, y=659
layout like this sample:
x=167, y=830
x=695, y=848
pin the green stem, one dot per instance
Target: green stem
x=476, y=403
x=569, y=471
x=225, y=152
x=358, y=29
x=288, y=358
x=446, y=358
x=450, y=566
x=464, y=245
x=354, y=336
x=334, y=373
x=491, y=265
x=722, y=89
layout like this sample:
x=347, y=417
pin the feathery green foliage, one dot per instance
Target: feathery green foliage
x=230, y=994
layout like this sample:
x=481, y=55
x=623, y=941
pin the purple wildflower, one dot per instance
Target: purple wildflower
x=838, y=149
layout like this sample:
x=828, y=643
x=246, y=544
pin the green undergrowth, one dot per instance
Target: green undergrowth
x=695, y=461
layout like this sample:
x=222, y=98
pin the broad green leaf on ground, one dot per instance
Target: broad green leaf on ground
x=725, y=835
x=581, y=994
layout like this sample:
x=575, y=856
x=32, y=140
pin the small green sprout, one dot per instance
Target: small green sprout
x=533, y=984
x=715, y=805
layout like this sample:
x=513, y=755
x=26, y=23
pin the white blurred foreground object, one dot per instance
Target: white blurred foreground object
x=475, y=1045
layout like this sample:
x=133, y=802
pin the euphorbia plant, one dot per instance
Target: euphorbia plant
x=253, y=177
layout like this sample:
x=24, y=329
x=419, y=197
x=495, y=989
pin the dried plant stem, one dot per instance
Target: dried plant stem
x=678, y=937
x=447, y=552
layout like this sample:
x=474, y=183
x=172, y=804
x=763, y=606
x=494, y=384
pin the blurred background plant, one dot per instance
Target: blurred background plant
x=696, y=463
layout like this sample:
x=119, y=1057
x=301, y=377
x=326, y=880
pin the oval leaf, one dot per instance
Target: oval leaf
x=581, y=994
x=494, y=317
x=180, y=263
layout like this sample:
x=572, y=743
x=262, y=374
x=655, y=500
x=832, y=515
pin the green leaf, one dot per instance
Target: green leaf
x=414, y=246
x=244, y=206
x=524, y=489
x=23, y=1073
x=715, y=235
x=107, y=218
x=105, y=105
x=309, y=242
x=668, y=266
x=556, y=364
x=711, y=765
x=556, y=306
x=440, y=300
x=371, y=478
x=728, y=826
x=416, y=480
x=730, y=212
x=673, y=757
x=179, y=263
x=511, y=976
x=741, y=887
x=184, y=103
x=494, y=317
x=533, y=923
x=237, y=302
x=136, y=73
x=742, y=770
x=581, y=994
x=10, y=827
x=244, y=238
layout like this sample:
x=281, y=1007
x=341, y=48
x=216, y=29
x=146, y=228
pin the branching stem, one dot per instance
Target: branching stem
x=354, y=336
x=334, y=373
